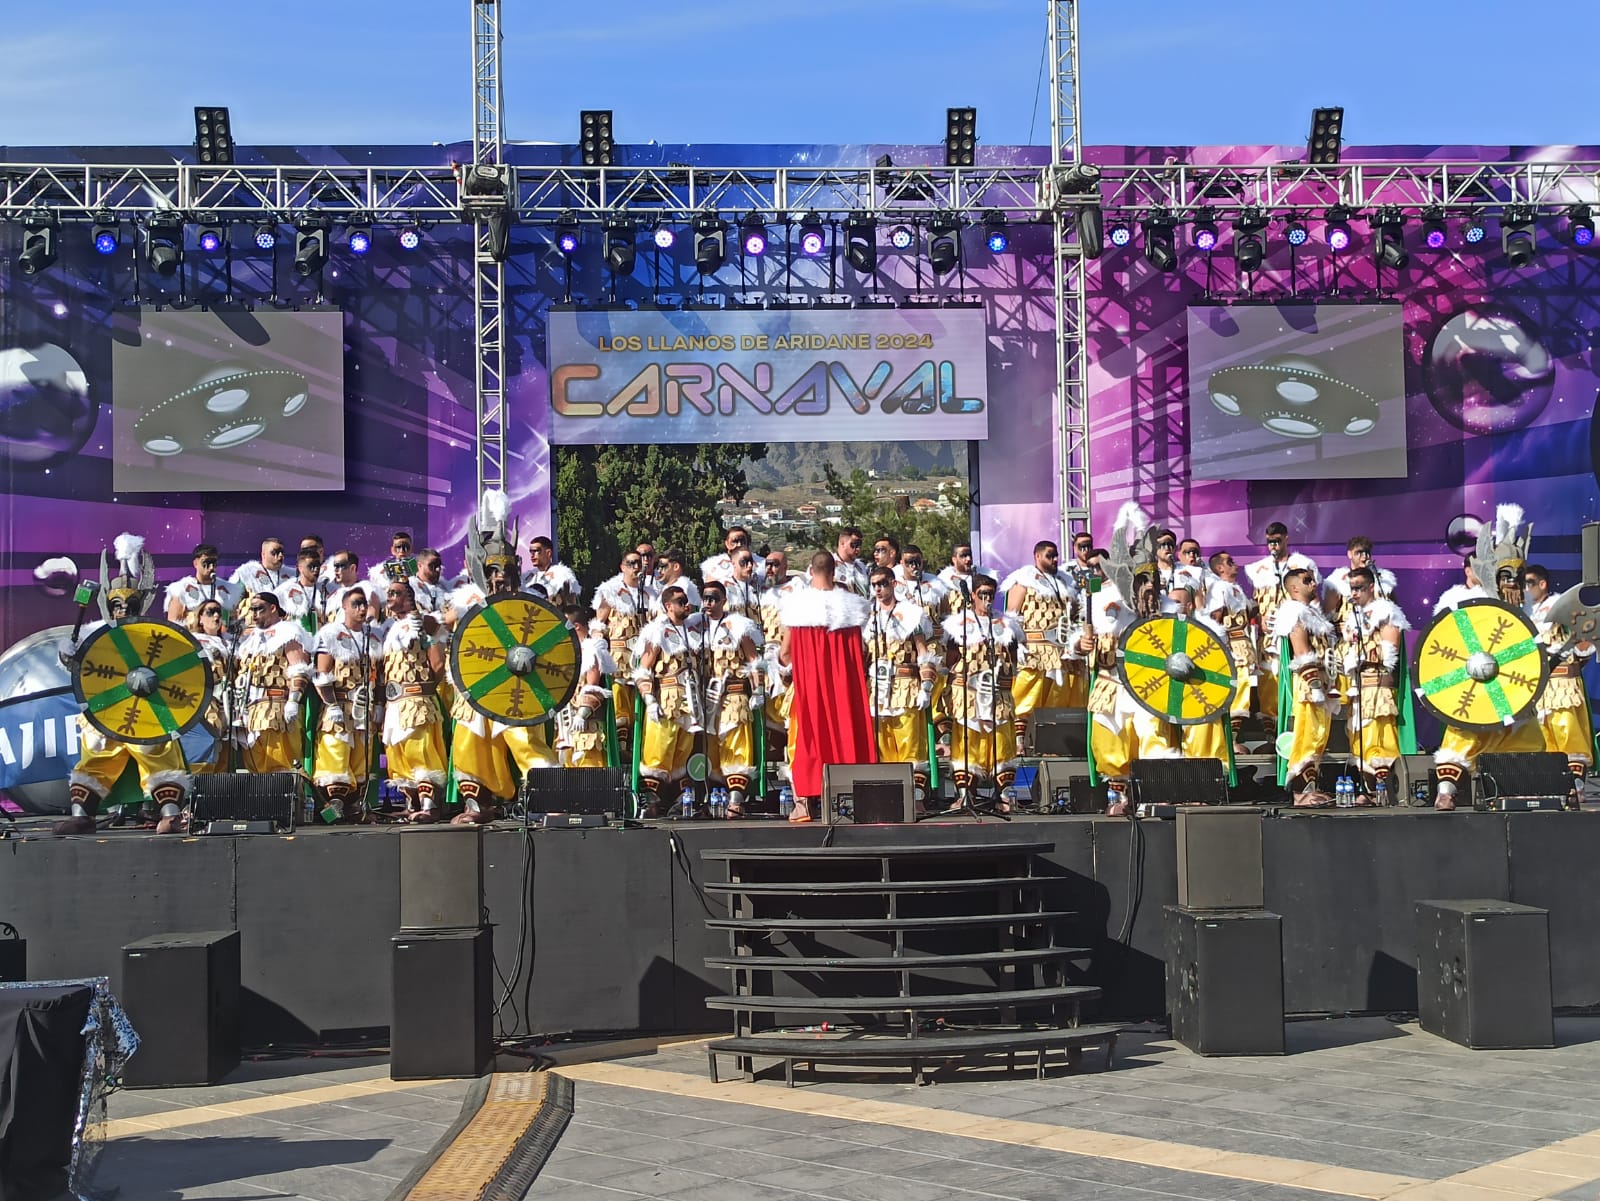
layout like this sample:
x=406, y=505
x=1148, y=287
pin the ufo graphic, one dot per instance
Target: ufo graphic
x=227, y=407
x=1293, y=397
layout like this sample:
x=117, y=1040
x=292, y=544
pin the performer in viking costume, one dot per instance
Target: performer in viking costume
x=548, y=578
x=274, y=675
x=1500, y=555
x=981, y=653
x=622, y=605
x=1200, y=739
x=219, y=647
x=732, y=676
x=1305, y=709
x=744, y=586
x=921, y=587
x=665, y=677
x=265, y=574
x=349, y=659
x=901, y=670
x=1563, y=705
x=1231, y=609
x=163, y=776
x=1373, y=660
x=185, y=597
x=1042, y=600
x=583, y=724
x=1267, y=577
x=1336, y=587
x=413, y=722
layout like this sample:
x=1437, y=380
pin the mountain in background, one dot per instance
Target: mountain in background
x=799, y=462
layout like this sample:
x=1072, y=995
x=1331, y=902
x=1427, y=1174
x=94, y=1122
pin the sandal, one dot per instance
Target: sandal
x=733, y=811
x=1312, y=799
x=800, y=814
x=1444, y=804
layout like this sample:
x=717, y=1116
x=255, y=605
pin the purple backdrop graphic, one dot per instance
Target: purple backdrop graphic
x=1499, y=381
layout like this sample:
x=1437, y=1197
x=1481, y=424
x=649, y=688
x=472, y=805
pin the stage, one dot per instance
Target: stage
x=612, y=929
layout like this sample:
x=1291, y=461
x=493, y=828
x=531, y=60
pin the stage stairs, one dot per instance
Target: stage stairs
x=923, y=956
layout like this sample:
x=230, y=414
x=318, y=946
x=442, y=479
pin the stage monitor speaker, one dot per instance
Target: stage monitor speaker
x=602, y=790
x=240, y=796
x=1219, y=858
x=181, y=992
x=442, y=1024
x=1419, y=782
x=1180, y=782
x=866, y=794
x=1523, y=780
x=441, y=877
x=1225, y=980
x=42, y=1047
x=1590, y=535
x=1062, y=786
x=1483, y=973
x=13, y=955
x=1061, y=733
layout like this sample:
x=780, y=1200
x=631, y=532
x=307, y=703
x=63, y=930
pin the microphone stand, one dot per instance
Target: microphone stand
x=1357, y=704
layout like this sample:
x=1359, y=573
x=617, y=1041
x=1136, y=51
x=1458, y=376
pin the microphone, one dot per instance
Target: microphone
x=965, y=591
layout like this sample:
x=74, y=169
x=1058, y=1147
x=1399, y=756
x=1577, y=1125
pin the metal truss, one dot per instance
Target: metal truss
x=488, y=269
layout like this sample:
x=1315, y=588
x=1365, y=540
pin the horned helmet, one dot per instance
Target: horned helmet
x=492, y=545
x=1132, y=564
x=126, y=595
x=1502, y=552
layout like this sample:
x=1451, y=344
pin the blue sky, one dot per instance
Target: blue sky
x=90, y=72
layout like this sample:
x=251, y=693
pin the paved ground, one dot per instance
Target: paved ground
x=1360, y=1108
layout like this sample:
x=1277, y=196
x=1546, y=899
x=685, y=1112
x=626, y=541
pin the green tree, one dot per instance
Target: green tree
x=935, y=532
x=609, y=498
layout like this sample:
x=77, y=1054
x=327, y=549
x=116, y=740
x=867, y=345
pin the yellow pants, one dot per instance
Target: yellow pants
x=1031, y=690
x=1240, y=707
x=1267, y=695
x=983, y=754
x=622, y=701
x=418, y=758
x=1376, y=743
x=160, y=764
x=1312, y=724
x=1460, y=748
x=664, y=753
x=341, y=762
x=274, y=750
x=1567, y=731
x=733, y=753
x=486, y=762
x=1075, y=688
x=1207, y=740
x=1114, y=750
x=530, y=746
x=904, y=739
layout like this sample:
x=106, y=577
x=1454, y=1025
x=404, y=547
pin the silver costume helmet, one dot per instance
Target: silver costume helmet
x=126, y=595
x=1132, y=552
x=1502, y=553
x=492, y=541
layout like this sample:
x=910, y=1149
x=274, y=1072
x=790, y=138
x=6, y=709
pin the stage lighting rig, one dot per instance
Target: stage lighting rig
x=41, y=233
x=209, y=234
x=594, y=138
x=620, y=251
x=1336, y=228
x=1326, y=139
x=266, y=235
x=1121, y=234
x=1580, y=226
x=410, y=238
x=1435, y=233
x=213, y=135
x=358, y=235
x=1475, y=231
x=1389, y=237
x=944, y=242
x=105, y=235
x=710, y=243
x=813, y=236
x=664, y=237
x=1203, y=232
x=752, y=235
x=163, y=243
x=568, y=237
x=906, y=185
x=310, y=244
x=994, y=232
x=960, y=136
x=901, y=238
x=861, y=244
x=1249, y=239
x=1295, y=232
x=1518, y=235
x=1160, y=242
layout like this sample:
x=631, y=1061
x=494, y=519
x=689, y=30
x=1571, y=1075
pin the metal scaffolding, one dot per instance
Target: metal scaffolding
x=488, y=267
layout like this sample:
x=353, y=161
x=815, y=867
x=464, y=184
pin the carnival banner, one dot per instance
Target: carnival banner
x=775, y=375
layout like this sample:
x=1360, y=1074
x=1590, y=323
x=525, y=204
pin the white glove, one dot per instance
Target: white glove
x=652, y=709
x=758, y=697
x=334, y=714
x=924, y=696
x=1318, y=696
x=584, y=714
x=291, y=711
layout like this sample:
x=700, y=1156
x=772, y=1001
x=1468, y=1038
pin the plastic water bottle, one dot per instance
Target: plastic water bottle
x=1380, y=791
x=1009, y=800
x=785, y=801
x=311, y=809
x=1345, y=792
x=686, y=801
x=719, y=802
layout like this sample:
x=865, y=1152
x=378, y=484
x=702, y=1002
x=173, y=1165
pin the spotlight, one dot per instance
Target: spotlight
x=1121, y=234
x=1249, y=242
x=1325, y=141
x=1580, y=226
x=358, y=239
x=960, y=136
x=1203, y=233
x=410, y=239
x=1091, y=230
x=752, y=235
x=944, y=242
x=861, y=244
x=163, y=249
x=105, y=235
x=813, y=238
x=901, y=238
x=1336, y=232
x=664, y=237
x=620, y=252
x=710, y=243
x=209, y=236
x=213, y=135
x=1389, y=238
x=1160, y=244
x=594, y=130
x=266, y=235
x=1435, y=233
x=40, y=231
x=310, y=245
x=1518, y=236
x=1475, y=231
x=567, y=233
x=994, y=232
x=1295, y=233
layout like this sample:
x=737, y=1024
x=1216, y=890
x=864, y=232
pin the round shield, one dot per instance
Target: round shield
x=143, y=681
x=1178, y=670
x=1479, y=666
x=515, y=660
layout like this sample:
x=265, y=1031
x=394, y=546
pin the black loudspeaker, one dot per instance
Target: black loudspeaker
x=1483, y=973
x=602, y=790
x=1062, y=733
x=13, y=955
x=41, y=1066
x=1219, y=858
x=181, y=992
x=1419, y=782
x=441, y=878
x=1062, y=786
x=1225, y=980
x=443, y=1005
x=868, y=793
x=1523, y=780
x=239, y=796
x=1180, y=782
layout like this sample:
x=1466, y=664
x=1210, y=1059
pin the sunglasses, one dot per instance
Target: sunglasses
x=774, y=563
x=883, y=583
x=743, y=562
x=276, y=552
x=258, y=608
x=912, y=563
x=1276, y=541
x=984, y=595
x=633, y=563
x=207, y=562
x=210, y=612
x=741, y=540
x=1166, y=545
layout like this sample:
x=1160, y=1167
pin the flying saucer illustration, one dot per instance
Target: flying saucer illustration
x=227, y=407
x=1293, y=397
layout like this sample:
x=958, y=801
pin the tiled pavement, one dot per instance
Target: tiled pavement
x=1360, y=1108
